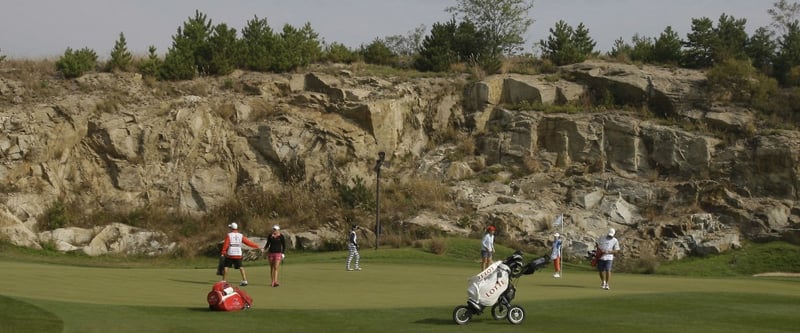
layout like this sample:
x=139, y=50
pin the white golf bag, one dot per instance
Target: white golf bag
x=486, y=287
x=494, y=287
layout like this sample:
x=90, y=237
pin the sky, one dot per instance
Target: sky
x=35, y=29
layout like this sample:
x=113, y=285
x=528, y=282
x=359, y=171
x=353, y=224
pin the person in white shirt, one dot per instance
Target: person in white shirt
x=487, y=247
x=607, y=247
x=232, y=252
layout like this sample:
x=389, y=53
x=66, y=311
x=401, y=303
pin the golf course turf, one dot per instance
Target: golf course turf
x=399, y=290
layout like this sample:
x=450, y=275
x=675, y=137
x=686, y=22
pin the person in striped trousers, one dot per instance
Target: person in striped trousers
x=352, y=245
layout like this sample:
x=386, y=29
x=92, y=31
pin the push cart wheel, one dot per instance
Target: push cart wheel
x=516, y=314
x=462, y=315
x=516, y=270
x=499, y=311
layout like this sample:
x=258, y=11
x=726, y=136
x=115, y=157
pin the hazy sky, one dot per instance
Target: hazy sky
x=45, y=28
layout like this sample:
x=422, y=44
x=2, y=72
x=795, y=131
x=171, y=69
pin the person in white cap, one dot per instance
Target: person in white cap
x=607, y=247
x=276, y=252
x=232, y=252
x=556, y=255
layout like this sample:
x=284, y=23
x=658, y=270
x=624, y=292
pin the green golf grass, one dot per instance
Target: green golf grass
x=389, y=295
x=399, y=290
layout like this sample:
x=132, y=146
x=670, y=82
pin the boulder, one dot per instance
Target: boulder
x=15, y=232
x=118, y=238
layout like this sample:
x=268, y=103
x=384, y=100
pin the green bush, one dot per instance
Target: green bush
x=339, y=53
x=492, y=65
x=76, y=63
x=179, y=64
x=378, y=53
x=150, y=66
x=56, y=216
x=437, y=246
x=739, y=81
x=358, y=195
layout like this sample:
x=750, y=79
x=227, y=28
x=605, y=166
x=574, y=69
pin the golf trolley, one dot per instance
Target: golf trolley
x=495, y=287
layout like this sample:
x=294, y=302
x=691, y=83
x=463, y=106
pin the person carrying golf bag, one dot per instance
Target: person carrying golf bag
x=352, y=246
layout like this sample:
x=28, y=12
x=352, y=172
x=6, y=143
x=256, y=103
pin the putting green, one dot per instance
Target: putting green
x=386, y=298
x=329, y=286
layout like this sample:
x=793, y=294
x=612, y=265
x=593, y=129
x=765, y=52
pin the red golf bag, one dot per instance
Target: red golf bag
x=224, y=297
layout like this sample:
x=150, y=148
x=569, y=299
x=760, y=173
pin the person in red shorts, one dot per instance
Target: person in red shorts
x=232, y=252
x=276, y=252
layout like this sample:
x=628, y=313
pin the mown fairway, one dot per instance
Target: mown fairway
x=318, y=295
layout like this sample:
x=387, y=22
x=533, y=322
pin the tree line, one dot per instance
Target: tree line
x=481, y=33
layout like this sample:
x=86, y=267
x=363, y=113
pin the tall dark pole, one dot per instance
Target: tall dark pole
x=378, y=163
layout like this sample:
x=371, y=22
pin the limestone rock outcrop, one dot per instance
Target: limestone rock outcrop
x=116, y=142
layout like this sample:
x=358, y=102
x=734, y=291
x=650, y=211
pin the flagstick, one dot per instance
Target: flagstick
x=562, y=245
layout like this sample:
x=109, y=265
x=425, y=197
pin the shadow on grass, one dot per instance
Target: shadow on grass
x=200, y=309
x=206, y=282
x=553, y=285
x=20, y=316
x=435, y=321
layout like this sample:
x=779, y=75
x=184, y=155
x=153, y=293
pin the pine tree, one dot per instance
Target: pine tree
x=788, y=58
x=437, y=53
x=224, y=49
x=76, y=63
x=584, y=44
x=699, y=44
x=190, y=53
x=559, y=46
x=642, y=48
x=667, y=48
x=761, y=50
x=120, y=56
x=730, y=39
x=258, y=44
x=621, y=50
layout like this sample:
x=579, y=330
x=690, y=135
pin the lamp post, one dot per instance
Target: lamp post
x=378, y=164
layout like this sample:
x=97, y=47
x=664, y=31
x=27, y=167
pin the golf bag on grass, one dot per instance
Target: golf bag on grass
x=224, y=297
x=494, y=287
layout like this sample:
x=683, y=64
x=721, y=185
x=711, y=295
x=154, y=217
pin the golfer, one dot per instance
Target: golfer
x=607, y=246
x=232, y=252
x=556, y=255
x=276, y=252
x=352, y=246
x=487, y=247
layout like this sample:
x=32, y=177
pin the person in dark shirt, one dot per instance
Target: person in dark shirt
x=276, y=252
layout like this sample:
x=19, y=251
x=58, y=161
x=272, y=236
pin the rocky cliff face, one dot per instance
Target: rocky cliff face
x=115, y=140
